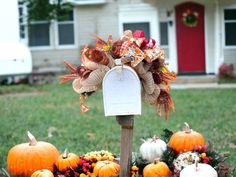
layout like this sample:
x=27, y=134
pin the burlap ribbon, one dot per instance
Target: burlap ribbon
x=94, y=81
x=151, y=91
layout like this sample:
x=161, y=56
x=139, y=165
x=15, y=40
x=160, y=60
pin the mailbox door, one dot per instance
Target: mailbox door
x=121, y=92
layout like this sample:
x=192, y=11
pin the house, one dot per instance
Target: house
x=197, y=35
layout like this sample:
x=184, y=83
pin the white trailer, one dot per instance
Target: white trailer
x=15, y=57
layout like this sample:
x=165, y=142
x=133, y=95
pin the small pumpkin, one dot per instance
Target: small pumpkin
x=24, y=159
x=156, y=169
x=152, y=148
x=198, y=170
x=67, y=161
x=186, y=140
x=42, y=173
x=106, y=169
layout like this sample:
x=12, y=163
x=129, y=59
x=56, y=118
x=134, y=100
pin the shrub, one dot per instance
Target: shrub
x=226, y=71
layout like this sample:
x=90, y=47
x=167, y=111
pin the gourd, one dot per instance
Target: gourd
x=198, y=170
x=67, y=161
x=152, y=149
x=156, y=169
x=185, y=159
x=186, y=140
x=42, y=173
x=24, y=159
x=106, y=169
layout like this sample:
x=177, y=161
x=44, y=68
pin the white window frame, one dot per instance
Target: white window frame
x=168, y=15
x=139, y=13
x=223, y=26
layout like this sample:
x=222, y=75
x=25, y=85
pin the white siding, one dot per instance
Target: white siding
x=54, y=58
x=101, y=20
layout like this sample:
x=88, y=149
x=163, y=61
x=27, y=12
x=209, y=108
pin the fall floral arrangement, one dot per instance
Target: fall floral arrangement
x=89, y=165
x=42, y=159
x=174, y=154
x=143, y=55
x=185, y=154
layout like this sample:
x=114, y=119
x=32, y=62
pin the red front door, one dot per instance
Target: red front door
x=190, y=38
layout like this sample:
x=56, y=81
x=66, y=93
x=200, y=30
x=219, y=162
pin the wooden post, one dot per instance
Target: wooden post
x=127, y=123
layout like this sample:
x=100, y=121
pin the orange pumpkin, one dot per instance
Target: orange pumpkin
x=156, y=169
x=24, y=159
x=186, y=140
x=67, y=161
x=106, y=169
x=42, y=173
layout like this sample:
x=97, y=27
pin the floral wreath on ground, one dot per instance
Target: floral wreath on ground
x=134, y=50
x=190, y=18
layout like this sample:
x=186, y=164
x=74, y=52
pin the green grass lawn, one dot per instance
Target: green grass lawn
x=209, y=111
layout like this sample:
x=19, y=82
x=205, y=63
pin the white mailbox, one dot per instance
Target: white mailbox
x=121, y=92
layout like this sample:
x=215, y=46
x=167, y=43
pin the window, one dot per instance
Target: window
x=164, y=33
x=145, y=27
x=39, y=34
x=66, y=30
x=164, y=37
x=230, y=27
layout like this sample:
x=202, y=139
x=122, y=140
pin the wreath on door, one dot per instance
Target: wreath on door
x=190, y=18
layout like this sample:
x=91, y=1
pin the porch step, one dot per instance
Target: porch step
x=196, y=79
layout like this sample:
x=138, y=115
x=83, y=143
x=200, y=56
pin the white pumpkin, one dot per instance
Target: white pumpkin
x=152, y=148
x=185, y=159
x=198, y=170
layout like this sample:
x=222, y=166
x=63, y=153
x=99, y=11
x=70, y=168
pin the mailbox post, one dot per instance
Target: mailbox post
x=127, y=124
x=122, y=98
